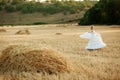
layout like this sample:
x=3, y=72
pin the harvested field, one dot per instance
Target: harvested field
x=102, y=64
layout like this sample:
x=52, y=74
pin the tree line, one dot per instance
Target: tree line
x=48, y=7
x=104, y=12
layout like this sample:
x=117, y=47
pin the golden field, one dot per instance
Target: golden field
x=102, y=64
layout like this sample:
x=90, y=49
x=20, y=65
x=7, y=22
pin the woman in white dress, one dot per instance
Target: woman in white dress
x=95, y=40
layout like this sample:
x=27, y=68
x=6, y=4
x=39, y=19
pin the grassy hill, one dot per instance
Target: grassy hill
x=41, y=13
x=34, y=18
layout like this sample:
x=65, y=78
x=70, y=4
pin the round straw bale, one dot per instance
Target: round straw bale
x=21, y=58
x=58, y=33
x=22, y=32
x=2, y=30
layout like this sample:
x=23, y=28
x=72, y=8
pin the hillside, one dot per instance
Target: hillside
x=39, y=13
x=32, y=18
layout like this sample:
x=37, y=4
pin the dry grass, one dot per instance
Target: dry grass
x=22, y=32
x=102, y=64
x=7, y=18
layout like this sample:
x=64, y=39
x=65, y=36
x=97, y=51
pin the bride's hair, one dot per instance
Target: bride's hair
x=92, y=27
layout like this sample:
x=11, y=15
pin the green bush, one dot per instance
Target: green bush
x=2, y=3
x=29, y=8
x=118, y=22
x=104, y=12
x=19, y=7
x=0, y=8
x=56, y=7
x=14, y=2
x=46, y=8
x=9, y=8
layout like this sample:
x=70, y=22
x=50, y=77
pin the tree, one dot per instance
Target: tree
x=104, y=12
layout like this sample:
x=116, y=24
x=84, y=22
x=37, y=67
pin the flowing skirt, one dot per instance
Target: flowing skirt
x=95, y=40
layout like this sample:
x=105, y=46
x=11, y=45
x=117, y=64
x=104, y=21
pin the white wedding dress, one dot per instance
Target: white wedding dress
x=95, y=40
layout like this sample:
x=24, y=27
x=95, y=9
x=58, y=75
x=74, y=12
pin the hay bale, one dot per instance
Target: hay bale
x=22, y=32
x=21, y=58
x=58, y=33
x=2, y=30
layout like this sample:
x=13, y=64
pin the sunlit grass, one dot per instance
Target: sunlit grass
x=102, y=64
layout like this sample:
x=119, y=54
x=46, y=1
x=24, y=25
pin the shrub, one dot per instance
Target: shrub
x=10, y=8
x=104, y=12
x=2, y=3
x=27, y=7
x=0, y=8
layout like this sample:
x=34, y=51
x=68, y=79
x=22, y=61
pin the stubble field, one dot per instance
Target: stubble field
x=102, y=64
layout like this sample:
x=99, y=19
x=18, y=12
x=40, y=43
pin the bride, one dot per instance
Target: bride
x=95, y=40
